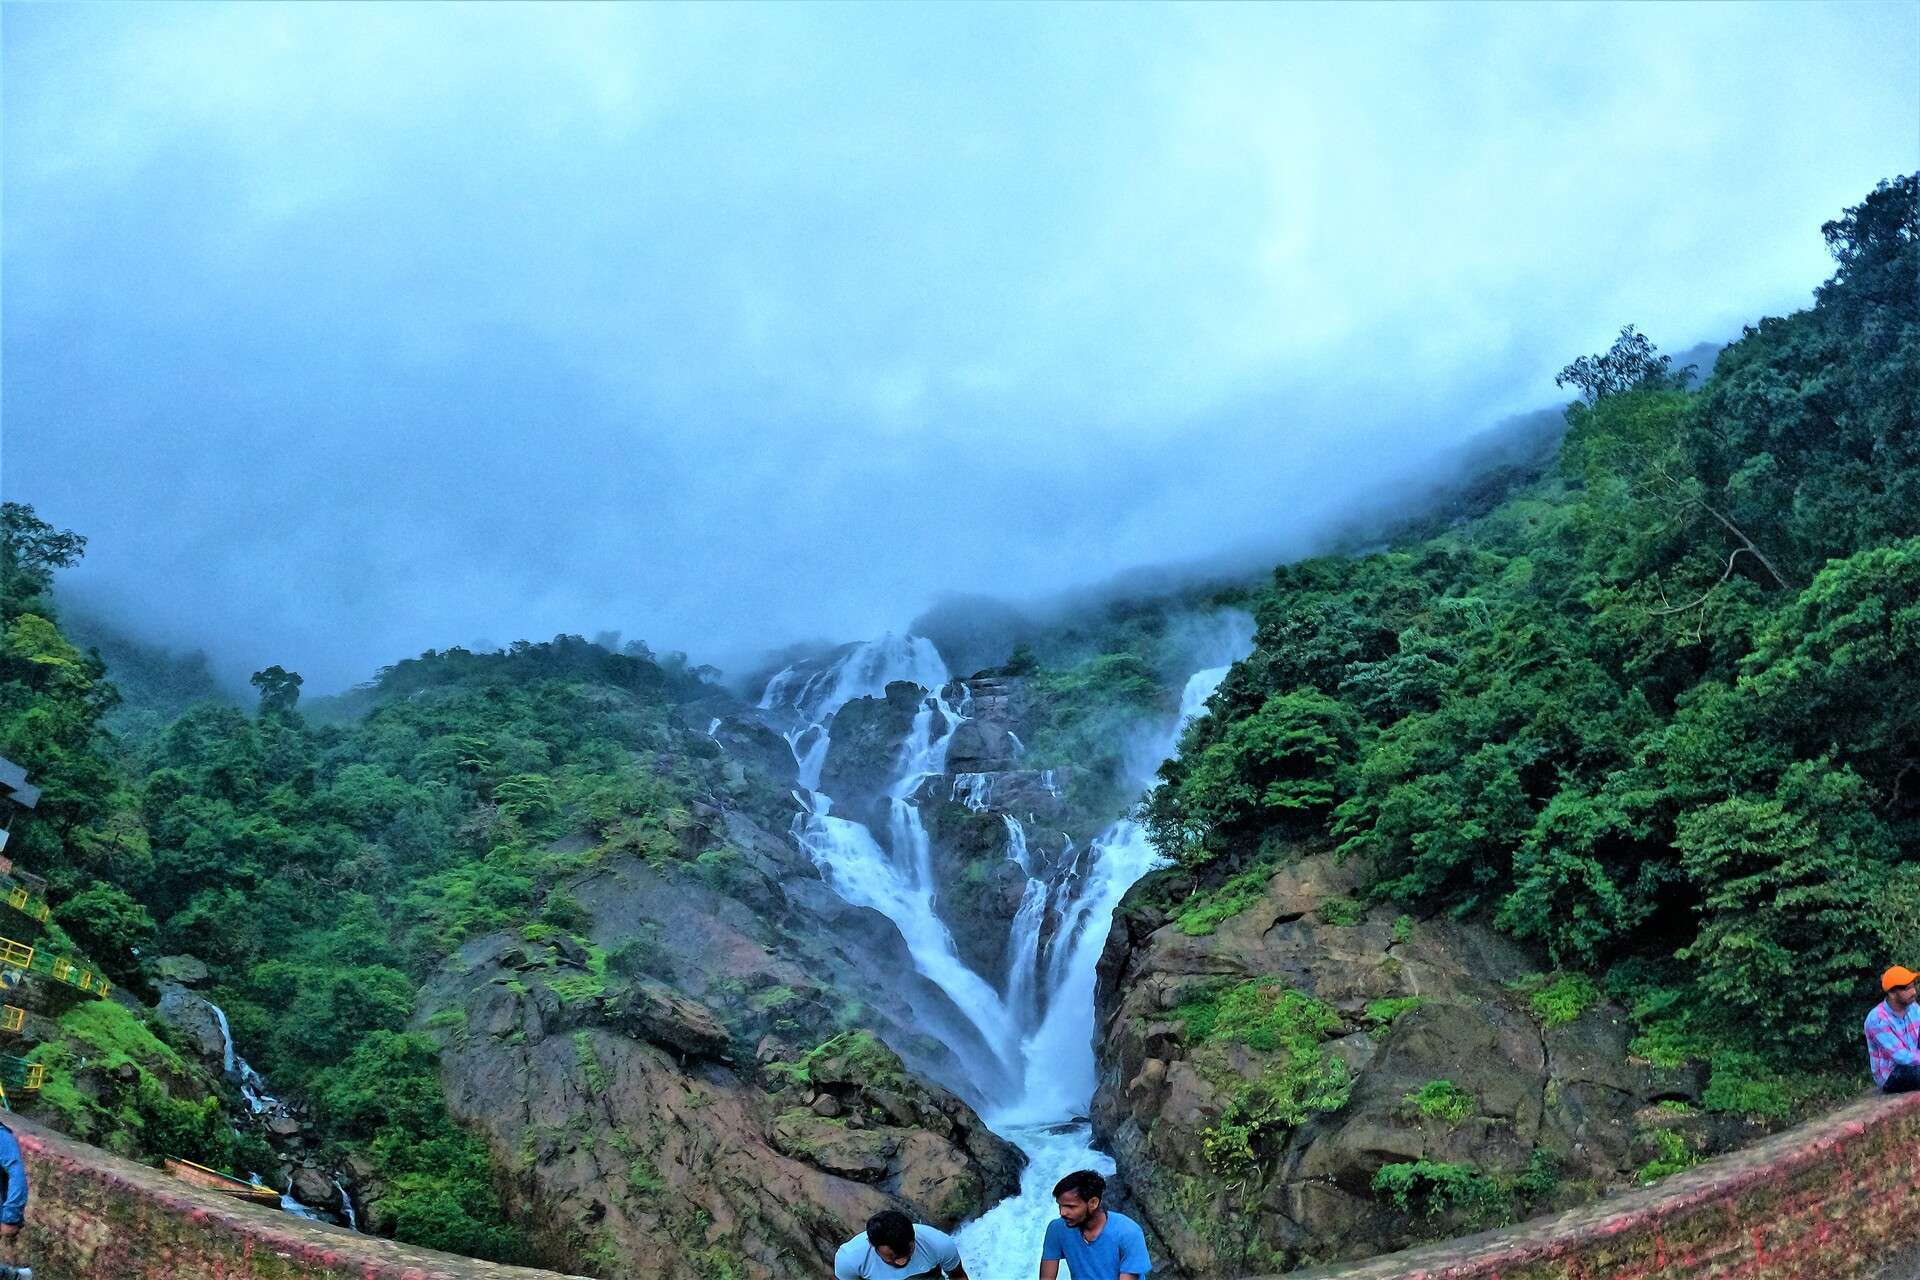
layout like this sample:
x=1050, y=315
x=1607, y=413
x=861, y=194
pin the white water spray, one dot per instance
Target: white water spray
x=1037, y=1022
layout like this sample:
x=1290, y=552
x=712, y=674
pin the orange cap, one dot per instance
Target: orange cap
x=1897, y=977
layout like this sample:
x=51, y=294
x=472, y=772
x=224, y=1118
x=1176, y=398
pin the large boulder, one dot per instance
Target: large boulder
x=868, y=735
x=981, y=746
x=628, y=1133
x=1432, y=1028
x=195, y=1023
x=185, y=971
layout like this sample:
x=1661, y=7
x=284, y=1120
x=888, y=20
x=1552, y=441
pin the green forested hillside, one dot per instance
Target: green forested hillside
x=322, y=872
x=1655, y=712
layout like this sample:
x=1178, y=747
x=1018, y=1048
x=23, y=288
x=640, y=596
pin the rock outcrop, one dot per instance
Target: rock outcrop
x=645, y=1139
x=1426, y=1036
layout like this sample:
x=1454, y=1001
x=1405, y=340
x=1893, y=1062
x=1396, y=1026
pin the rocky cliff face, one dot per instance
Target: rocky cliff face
x=684, y=1080
x=1255, y=1080
x=646, y=1139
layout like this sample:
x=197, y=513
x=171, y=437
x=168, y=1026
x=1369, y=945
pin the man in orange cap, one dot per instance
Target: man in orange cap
x=1893, y=1033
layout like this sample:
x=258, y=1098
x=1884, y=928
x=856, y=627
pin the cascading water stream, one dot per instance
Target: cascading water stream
x=263, y=1105
x=1047, y=1121
x=1037, y=1024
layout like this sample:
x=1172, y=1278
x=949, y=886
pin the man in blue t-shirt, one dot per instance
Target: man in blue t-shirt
x=895, y=1247
x=1095, y=1243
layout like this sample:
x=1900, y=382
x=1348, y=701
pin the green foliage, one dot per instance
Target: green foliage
x=1443, y=1100
x=1205, y=911
x=1671, y=1155
x=1342, y=912
x=643, y=1179
x=1262, y=1014
x=106, y=922
x=1267, y=1107
x=1655, y=706
x=1285, y=765
x=1435, y=1188
x=1555, y=1001
x=1269, y=1018
x=590, y=1064
x=1382, y=1013
x=857, y=1055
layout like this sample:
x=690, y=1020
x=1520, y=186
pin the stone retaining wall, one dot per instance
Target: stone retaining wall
x=96, y=1217
x=1833, y=1199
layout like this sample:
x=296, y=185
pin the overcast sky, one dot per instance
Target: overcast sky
x=345, y=331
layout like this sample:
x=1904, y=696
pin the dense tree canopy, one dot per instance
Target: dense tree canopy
x=1656, y=709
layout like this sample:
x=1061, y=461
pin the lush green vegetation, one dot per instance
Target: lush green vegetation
x=323, y=870
x=1443, y=1100
x=1435, y=1189
x=1271, y=1018
x=1671, y=1155
x=1653, y=712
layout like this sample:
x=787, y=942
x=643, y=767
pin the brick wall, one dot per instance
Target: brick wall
x=93, y=1216
x=1833, y=1199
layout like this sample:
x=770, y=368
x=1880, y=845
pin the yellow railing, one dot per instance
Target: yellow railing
x=22, y=901
x=12, y=1017
x=16, y=955
x=23, y=1076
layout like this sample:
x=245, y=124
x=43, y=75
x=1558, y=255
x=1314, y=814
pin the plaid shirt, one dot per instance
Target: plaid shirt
x=1892, y=1038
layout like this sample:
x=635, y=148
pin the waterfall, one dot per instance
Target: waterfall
x=1036, y=1079
x=253, y=1089
x=1047, y=1120
x=260, y=1103
x=346, y=1207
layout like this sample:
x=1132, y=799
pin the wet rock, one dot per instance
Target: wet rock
x=1570, y=1095
x=196, y=1027
x=185, y=971
x=313, y=1187
x=981, y=746
x=868, y=736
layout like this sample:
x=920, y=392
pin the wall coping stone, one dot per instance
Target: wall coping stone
x=67, y=1237
x=1557, y=1245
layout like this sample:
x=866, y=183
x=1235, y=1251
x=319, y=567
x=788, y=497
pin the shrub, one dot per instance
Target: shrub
x=1443, y=1100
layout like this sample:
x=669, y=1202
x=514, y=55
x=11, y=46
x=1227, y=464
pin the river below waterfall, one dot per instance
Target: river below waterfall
x=1025, y=1051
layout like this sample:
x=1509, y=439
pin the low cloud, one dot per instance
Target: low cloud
x=346, y=332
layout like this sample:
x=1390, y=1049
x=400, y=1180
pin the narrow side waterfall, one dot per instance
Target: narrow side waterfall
x=265, y=1107
x=1035, y=1076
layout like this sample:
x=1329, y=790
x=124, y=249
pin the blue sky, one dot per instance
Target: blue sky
x=345, y=331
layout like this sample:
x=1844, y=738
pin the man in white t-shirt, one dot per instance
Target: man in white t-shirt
x=897, y=1248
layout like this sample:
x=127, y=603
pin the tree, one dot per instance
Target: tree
x=1873, y=244
x=1633, y=363
x=279, y=690
x=30, y=550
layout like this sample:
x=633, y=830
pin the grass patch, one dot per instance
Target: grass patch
x=1342, y=913
x=590, y=1064
x=1205, y=912
x=1672, y=1154
x=1381, y=1013
x=1559, y=999
x=1443, y=1100
x=1262, y=1014
x=643, y=1179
